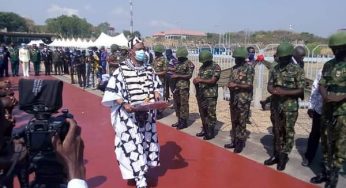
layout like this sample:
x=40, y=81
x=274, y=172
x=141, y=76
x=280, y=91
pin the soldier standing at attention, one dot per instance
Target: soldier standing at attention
x=240, y=86
x=46, y=60
x=333, y=132
x=286, y=84
x=36, y=59
x=14, y=56
x=181, y=76
x=113, y=59
x=207, y=93
x=159, y=64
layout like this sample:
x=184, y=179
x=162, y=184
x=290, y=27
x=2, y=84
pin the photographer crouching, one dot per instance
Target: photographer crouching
x=16, y=150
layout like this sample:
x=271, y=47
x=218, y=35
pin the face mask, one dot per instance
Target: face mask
x=140, y=55
x=251, y=56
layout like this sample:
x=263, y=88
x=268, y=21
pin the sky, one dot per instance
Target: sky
x=320, y=17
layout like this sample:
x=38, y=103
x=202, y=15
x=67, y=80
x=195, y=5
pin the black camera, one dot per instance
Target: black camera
x=43, y=98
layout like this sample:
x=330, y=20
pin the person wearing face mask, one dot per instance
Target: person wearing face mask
x=24, y=58
x=333, y=128
x=206, y=83
x=136, y=140
x=46, y=60
x=4, y=57
x=14, y=53
x=252, y=62
x=240, y=86
x=181, y=76
x=286, y=84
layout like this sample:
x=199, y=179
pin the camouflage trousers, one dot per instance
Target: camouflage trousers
x=333, y=141
x=239, y=117
x=207, y=111
x=283, y=131
x=164, y=91
x=181, y=103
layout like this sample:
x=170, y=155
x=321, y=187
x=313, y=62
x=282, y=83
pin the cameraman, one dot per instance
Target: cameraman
x=70, y=150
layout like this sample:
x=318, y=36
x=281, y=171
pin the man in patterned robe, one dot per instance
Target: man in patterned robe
x=136, y=142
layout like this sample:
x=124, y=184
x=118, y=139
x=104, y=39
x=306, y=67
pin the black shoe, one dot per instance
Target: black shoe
x=271, y=161
x=283, y=159
x=239, y=146
x=229, y=146
x=182, y=124
x=209, y=133
x=248, y=122
x=201, y=134
x=175, y=124
x=306, y=162
x=320, y=178
x=131, y=182
x=332, y=181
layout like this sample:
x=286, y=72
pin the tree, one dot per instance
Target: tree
x=69, y=26
x=103, y=27
x=13, y=22
x=128, y=34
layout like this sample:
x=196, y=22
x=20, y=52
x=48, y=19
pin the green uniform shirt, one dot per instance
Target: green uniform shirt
x=334, y=80
x=243, y=74
x=184, y=68
x=288, y=77
x=14, y=53
x=35, y=55
x=206, y=72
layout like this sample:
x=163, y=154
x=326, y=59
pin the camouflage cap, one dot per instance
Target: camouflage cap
x=159, y=48
x=285, y=49
x=114, y=47
x=240, y=52
x=205, y=56
x=182, y=52
x=337, y=39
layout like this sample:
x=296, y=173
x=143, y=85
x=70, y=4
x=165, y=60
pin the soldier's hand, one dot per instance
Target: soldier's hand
x=232, y=85
x=310, y=113
x=174, y=76
x=334, y=98
x=196, y=80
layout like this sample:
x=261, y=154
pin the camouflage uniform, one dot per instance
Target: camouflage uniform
x=160, y=65
x=113, y=61
x=333, y=131
x=284, y=110
x=240, y=100
x=36, y=59
x=207, y=95
x=182, y=89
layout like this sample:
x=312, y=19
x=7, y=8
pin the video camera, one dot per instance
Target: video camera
x=42, y=98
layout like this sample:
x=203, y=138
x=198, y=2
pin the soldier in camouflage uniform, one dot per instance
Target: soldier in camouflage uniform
x=113, y=58
x=181, y=76
x=333, y=129
x=286, y=84
x=206, y=93
x=159, y=64
x=240, y=86
x=35, y=57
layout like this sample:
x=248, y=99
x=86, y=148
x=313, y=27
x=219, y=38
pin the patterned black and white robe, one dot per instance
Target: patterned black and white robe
x=136, y=147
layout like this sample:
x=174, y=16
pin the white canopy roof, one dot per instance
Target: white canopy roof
x=37, y=42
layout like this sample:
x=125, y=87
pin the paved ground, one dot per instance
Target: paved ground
x=258, y=145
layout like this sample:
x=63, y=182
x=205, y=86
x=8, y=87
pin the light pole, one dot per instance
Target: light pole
x=131, y=15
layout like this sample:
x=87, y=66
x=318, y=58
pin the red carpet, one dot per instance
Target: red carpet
x=186, y=162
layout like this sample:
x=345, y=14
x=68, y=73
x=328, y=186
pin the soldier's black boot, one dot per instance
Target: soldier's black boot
x=209, y=133
x=332, y=178
x=239, y=146
x=230, y=145
x=283, y=159
x=176, y=124
x=182, y=124
x=202, y=133
x=320, y=178
x=271, y=161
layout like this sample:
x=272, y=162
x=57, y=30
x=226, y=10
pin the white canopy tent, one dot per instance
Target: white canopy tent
x=36, y=42
x=107, y=41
